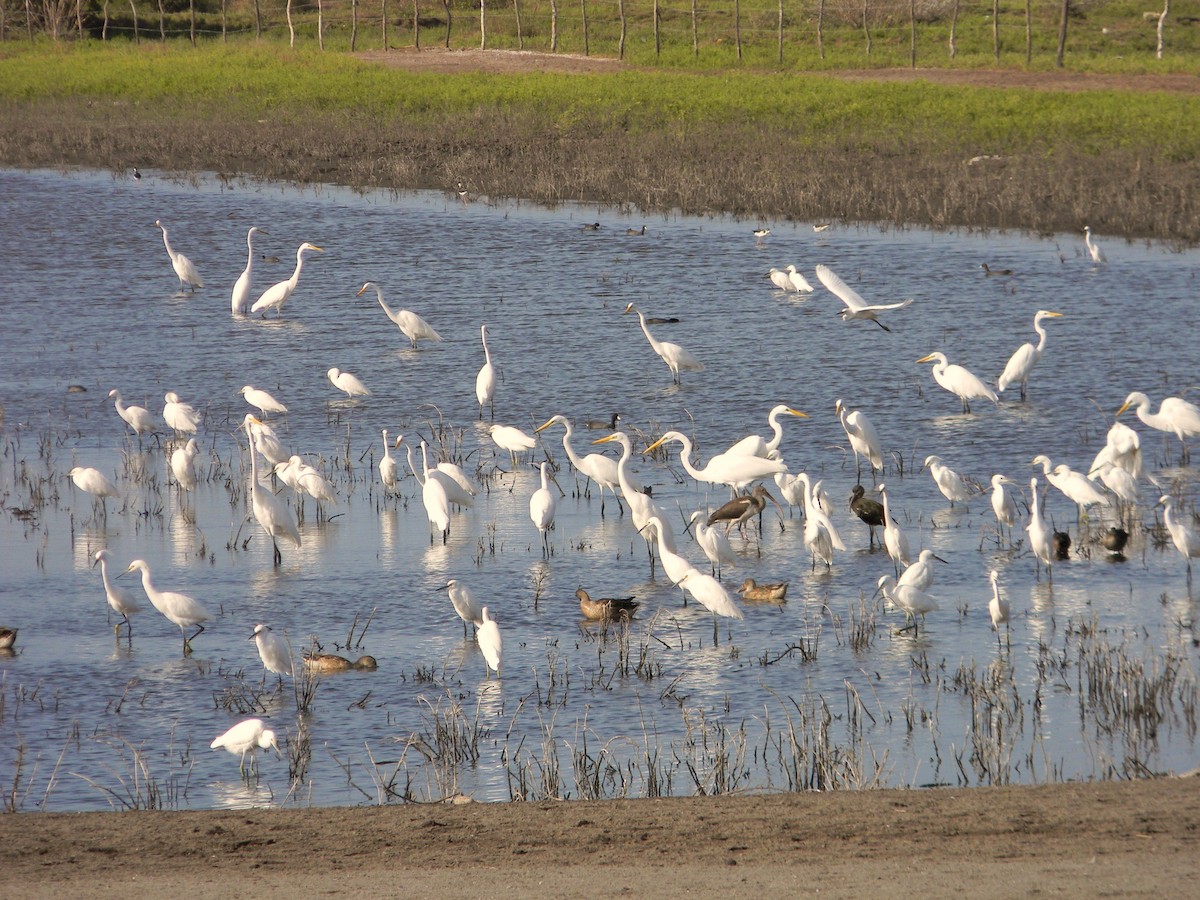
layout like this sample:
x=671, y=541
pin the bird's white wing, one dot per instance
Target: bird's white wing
x=880, y=306
x=844, y=292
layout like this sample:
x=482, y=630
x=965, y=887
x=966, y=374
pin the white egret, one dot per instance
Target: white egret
x=93, y=481
x=512, y=439
x=791, y=489
x=453, y=491
x=388, y=470
x=542, y=505
x=677, y=359
x=1074, y=485
x=185, y=271
x=735, y=470
x=410, y=324
x=465, y=604
x=247, y=737
x=1038, y=530
x=1123, y=448
x=1021, y=363
x=271, y=513
x=261, y=399
x=674, y=565
x=604, y=609
x=820, y=534
x=309, y=480
x=140, y=419
x=713, y=542
x=1003, y=504
x=183, y=464
x=267, y=442
x=641, y=506
x=491, y=644
x=780, y=279
x=181, y=609
x=911, y=600
x=756, y=445
x=433, y=498
x=240, y=299
x=273, y=651
x=998, y=607
x=1093, y=248
x=1122, y=485
x=120, y=599
x=275, y=296
x=1185, y=539
x=864, y=439
x=595, y=466
x=855, y=306
x=920, y=573
x=895, y=542
x=949, y=482
x=485, y=381
x=799, y=282
x=460, y=490
x=180, y=416
x=347, y=382
x=1175, y=415
x=869, y=511
x=963, y=384
x=710, y=594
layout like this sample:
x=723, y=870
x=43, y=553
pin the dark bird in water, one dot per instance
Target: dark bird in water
x=604, y=424
x=637, y=231
x=137, y=176
x=870, y=511
x=990, y=271
x=752, y=590
x=662, y=320
x=331, y=662
x=605, y=608
x=741, y=509
x=1114, y=541
x=591, y=226
x=1060, y=542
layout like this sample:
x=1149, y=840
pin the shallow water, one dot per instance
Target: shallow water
x=92, y=301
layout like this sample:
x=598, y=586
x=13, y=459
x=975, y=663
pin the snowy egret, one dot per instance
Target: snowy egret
x=949, y=482
x=1003, y=504
x=491, y=644
x=185, y=271
x=1185, y=539
x=269, y=511
x=275, y=296
x=180, y=416
x=604, y=609
x=240, y=299
x=756, y=445
x=1038, y=531
x=799, y=282
x=410, y=324
x=181, y=609
x=183, y=464
x=911, y=601
x=677, y=359
x=595, y=466
x=460, y=490
x=820, y=534
x=714, y=543
x=735, y=470
x=247, y=737
x=855, y=306
x=350, y=384
x=1093, y=248
x=464, y=603
x=140, y=419
x=388, y=472
x=542, y=505
x=791, y=489
x=920, y=573
x=998, y=607
x=322, y=663
x=261, y=399
x=485, y=381
x=1021, y=363
x=780, y=279
x=1175, y=416
x=894, y=539
x=1122, y=448
x=864, y=439
x=120, y=599
x=273, y=651
x=1074, y=485
x=92, y=481
x=869, y=511
x=512, y=439
x=768, y=593
x=437, y=505
x=963, y=384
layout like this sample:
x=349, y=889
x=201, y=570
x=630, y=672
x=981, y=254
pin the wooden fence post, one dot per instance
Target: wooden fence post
x=867, y=26
x=1062, y=33
x=554, y=25
x=695, y=32
x=996, y=29
x=657, y=36
x=383, y=25
x=586, y=43
x=192, y=21
x=912, y=34
x=780, y=38
x=446, y=7
x=162, y=21
x=821, y=29
x=953, y=30
x=517, y=13
x=482, y=24
x=136, y=37
x=624, y=25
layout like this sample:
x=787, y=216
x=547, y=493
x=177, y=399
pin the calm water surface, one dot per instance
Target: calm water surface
x=90, y=300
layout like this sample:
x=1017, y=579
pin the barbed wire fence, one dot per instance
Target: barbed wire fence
x=766, y=31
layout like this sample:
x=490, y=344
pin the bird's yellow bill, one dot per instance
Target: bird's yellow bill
x=925, y=358
x=362, y=290
x=543, y=426
x=655, y=445
x=605, y=440
x=1124, y=406
x=796, y=412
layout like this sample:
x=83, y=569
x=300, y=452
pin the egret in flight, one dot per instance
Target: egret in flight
x=1021, y=363
x=275, y=296
x=856, y=306
x=410, y=324
x=677, y=359
x=963, y=384
x=185, y=271
x=240, y=299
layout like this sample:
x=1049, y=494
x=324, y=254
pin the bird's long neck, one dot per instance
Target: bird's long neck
x=249, y=250
x=1041, y=330
x=391, y=313
x=645, y=330
x=167, y=244
x=487, y=354
x=777, y=428
x=253, y=460
x=571, y=454
x=622, y=471
x=108, y=585
x=685, y=457
x=411, y=466
x=295, y=279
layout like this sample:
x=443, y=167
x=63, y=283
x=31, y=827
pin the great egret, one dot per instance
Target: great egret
x=433, y=497
x=760, y=593
x=410, y=324
x=273, y=651
x=1021, y=363
x=641, y=506
x=183, y=464
x=185, y=271
x=347, y=382
x=895, y=542
x=323, y=663
x=247, y=737
x=1175, y=415
x=1122, y=448
x=799, y=282
x=963, y=384
x=388, y=470
x=855, y=306
x=998, y=606
x=756, y=445
x=780, y=279
x=710, y=594
x=864, y=439
x=542, y=506
x=240, y=299
x=120, y=599
x=949, y=482
x=869, y=511
x=277, y=294
x=181, y=609
x=605, y=609
x=512, y=439
x=1074, y=485
x=459, y=488
x=267, y=442
x=490, y=643
x=140, y=419
x=595, y=466
x=1185, y=539
x=677, y=359
x=735, y=470
x=261, y=399
x=920, y=573
x=1038, y=530
x=674, y=565
x=305, y=479
x=485, y=381
x=820, y=534
x=1003, y=504
x=271, y=513
x=1093, y=248
x=714, y=543
x=180, y=416
x=912, y=601
x=1122, y=485
x=465, y=604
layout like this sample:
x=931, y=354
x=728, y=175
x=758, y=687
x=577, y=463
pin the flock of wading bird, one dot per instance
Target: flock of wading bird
x=1113, y=481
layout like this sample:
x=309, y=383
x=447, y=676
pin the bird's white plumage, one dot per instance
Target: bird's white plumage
x=410, y=324
x=710, y=594
x=491, y=644
x=959, y=381
x=178, y=415
x=92, y=481
x=1021, y=363
x=140, y=419
x=735, y=470
x=855, y=306
x=120, y=599
x=348, y=383
x=485, y=381
x=273, y=650
x=239, y=301
x=895, y=542
x=949, y=482
x=246, y=737
x=757, y=445
x=1003, y=504
x=1093, y=248
x=464, y=603
x=864, y=439
x=271, y=513
x=713, y=541
x=542, y=504
x=677, y=359
x=183, y=610
x=185, y=270
x=183, y=464
x=388, y=470
x=262, y=400
x=1175, y=415
x=799, y=282
x=277, y=294
x=1037, y=529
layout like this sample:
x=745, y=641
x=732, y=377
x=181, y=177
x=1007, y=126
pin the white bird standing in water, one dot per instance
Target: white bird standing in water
x=121, y=600
x=247, y=737
x=1039, y=532
x=677, y=359
x=855, y=306
x=388, y=470
x=799, y=282
x=712, y=595
x=465, y=604
x=920, y=573
x=185, y=271
x=181, y=609
x=261, y=399
x=998, y=607
x=277, y=294
x=93, y=481
x=140, y=419
x=864, y=439
x=183, y=464
x=491, y=644
x=963, y=384
x=485, y=381
x=179, y=416
x=350, y=384
x=1003, y=504
x=595, y=466
x=1021, y=363
x=512, y=439
x=273, y=651
x=541, y=509
x=410, y=324
x=895, y=542
x=949, y=482
x=714, y=543
x=911, y=600
x=1175, y=416
x=271, y=513
x=1185, y=539
x=240, y=299
x=1093, y=248
x=735, y=470
x=756, y=445
x=780, y=279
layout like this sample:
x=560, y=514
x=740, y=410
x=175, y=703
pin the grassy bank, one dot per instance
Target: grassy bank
x=784, y=145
